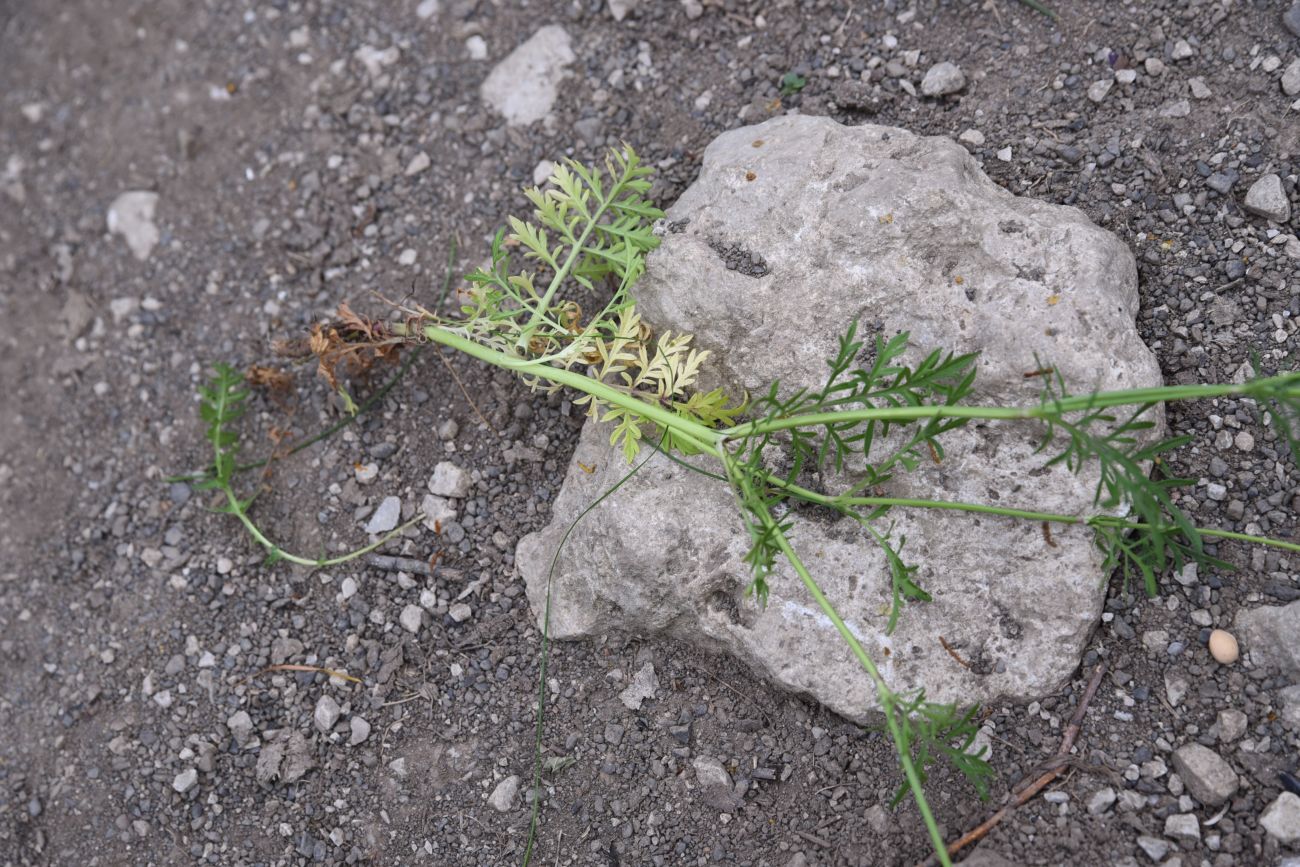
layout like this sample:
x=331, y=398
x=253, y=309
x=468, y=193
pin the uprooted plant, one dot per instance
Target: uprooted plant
x=593, y=229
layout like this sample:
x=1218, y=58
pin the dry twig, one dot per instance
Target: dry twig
x=1055, y=765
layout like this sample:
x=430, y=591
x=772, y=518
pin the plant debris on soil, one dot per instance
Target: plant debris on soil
x=168, y=698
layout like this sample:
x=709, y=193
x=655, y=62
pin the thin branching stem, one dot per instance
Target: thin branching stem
x=1042, y=411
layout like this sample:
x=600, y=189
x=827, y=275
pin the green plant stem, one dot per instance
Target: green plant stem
x=838, y=503
x=1049, y=410
x=883, y=692
x=282, y=554
x=539, y=312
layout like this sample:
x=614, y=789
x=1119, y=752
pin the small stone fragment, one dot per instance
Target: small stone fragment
x=644, y=685
x=460, y=612
x=1098, y=89
x=1223, y=647
x=326, y=714
x=710, y=772
x=1183, y=827
x=1182, y=50
x=1199, y=89
x=418, y=163
x=437, y=512
x=1281, y=819
x=131, y=216
x=524, y=85
x=1291, y=79
x=411, y=618
x=449, y=480
x=1208, y=777
x=1155, y=848
x=1267, y=198
x=1176, y=108
x=943, y=79
x=1101, y=801
x=185, y=780
x=1232, y=725
x=385, y=517
x=503, y=796
x=620, y=9
x=972, y=137
x=241, y=726
x=360, y=730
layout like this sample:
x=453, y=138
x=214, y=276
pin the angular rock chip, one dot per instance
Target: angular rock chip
x=523, y=86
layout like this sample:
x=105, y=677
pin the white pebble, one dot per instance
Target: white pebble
x=326, y=713
x=360, y=730
x=185, y=780
x=411, y=618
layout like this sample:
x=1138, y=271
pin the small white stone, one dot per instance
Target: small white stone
x=644, y=685
x=385, y=517
x=326, y=713
x=1126, y=76
x=1291, y=79
x=366, y=473
x=1281, y=819
x=1005, y=155
x=418, y=163
x=1098, y=89
x=460, y=612
x=542, y=172
x=449, y=480
x=407, y=258
x=1199, y=90
x=1175, y=108
x=348, y=588
x=438, y=512
x=503, y=796
x=163, y=698
x=1267, y=198
x=360, y=730
x=240, y=725
x=476, y=48
x=972, y=137
x=375, y=60
x=427, y=9
x=411, y=618
x=131, y=215
x=524, y=85
x=943, y=79
x=620, y=9
x=1182, y=50
x=1154, y=66
x=185, y=780
x=710, y=772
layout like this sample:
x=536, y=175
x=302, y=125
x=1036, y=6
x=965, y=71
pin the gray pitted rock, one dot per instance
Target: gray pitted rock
x=1281, y=819
x=1209, y=778
x=1268, y=634
x=901, y=233
x=1267, y=198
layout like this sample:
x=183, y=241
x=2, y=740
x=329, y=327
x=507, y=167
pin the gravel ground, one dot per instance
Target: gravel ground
x=303, y=153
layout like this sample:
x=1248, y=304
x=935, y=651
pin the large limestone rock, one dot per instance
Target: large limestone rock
x=794, y=228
